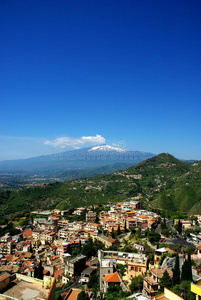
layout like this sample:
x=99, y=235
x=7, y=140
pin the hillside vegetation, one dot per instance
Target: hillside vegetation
x=161, y=182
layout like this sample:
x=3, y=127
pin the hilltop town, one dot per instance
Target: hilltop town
x=110, y=251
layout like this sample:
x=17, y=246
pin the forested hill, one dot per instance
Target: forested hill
x=160, y=182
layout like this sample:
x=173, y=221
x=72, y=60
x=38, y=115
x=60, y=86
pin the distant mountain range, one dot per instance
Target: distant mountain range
x=161, y=182
x=87, y=158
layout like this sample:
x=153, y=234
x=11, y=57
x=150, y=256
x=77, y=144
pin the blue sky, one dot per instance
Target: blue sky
x=112, y=71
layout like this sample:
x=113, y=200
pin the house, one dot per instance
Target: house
x=136, y=267
x=107, y=266
x=151, y=284
x=108, y=241
x=113, y=278
x=196, y=289
x=91, y=216
x=86, y=273
x=75, y=266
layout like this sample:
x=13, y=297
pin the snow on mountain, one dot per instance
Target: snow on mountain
x=106, y=148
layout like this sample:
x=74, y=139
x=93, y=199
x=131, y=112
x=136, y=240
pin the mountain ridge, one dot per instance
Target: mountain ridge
x=102, y=155
x=161, y=182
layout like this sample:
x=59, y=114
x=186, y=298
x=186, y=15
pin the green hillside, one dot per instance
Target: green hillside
x=162, y=182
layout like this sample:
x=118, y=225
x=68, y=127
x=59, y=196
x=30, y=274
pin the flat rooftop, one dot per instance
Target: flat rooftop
x=26, y=290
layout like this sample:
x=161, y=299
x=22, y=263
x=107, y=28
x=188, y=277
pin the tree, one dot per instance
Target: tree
x=176, y=271
x=153, y=236
x=125, y=227
x=89, y=250
x=189, y=264
x=113, y=233
x=35, y=272
x=184, y=289
x=136, y=284
x=82, y=296
x=132, y=229
x=121, y=269
x=93, y=281
x=179, y=227
x=40, y=270
x=118, y=230
x=165, y=280
x=184, y=271
x=187, y=269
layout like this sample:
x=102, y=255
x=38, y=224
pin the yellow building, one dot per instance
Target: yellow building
x=196, y=289
x=167, y=295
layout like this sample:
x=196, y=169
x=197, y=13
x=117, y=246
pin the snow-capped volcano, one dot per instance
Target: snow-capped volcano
x=106, y=148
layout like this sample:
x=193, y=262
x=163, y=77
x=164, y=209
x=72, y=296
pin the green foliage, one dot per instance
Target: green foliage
x=66, y=285
x=184, y=271
x=162, y=259
x=165, y=280
x=153, y=236
x=179, y=227
x=93, y=283
x=121, y=269
x=9, y=227
x=190, y=249
x=90, y=249
x=136, y=284
x=190, y=276
x=187, y=269
x=82, y=296
x=40, y=271
x=176, y=271
x=22, y=222
x=76, y=252
x=118, y=230
x=174, y=194
x=184, y=289
x=113, y=233
x=115, y=292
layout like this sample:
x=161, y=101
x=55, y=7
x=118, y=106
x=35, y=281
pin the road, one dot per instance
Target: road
x=178, y=241
x=170, y=226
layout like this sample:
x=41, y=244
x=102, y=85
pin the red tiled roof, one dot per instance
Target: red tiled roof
x=113, y=278
x=58, y=273
x=27, y=232
x=73, y=294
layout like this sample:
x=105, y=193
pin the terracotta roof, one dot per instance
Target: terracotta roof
x=111, y=240
x=58, y=273
x=159, y=272
x=143, y=217
x=53, y=246
x=27, y=232
x=113, y=278
x=73, y=294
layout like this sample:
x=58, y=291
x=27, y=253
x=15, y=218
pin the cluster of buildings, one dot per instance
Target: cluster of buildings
x=56, y=241
x=127, y=214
